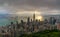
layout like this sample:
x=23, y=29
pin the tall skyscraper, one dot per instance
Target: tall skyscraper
x=33, y=17
x=31, y=20
x=52, y=20
x=28, y=20
x=45, y=21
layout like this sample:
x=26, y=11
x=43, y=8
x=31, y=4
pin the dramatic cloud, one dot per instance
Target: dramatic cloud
x=21, y=6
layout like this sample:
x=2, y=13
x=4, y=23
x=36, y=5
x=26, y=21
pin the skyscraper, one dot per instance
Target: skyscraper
x=45, y=21
x=28, y=20
x=52, y=20
x=21, y=21
x=31, y=20
x=33, y=17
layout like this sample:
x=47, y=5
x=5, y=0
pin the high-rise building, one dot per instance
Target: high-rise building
x=52, y=20
x=21, y=21
x=28, y=20
x=31, y=20
x=45, y=21
x=33, y=17
x=11, y=23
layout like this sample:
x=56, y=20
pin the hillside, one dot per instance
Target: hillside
x=46, y=33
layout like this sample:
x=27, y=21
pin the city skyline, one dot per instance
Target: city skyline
x=30, y=18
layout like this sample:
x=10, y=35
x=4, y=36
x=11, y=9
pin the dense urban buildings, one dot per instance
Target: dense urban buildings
x=31, y=26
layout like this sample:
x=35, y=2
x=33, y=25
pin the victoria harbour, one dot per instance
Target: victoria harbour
x=4, y=21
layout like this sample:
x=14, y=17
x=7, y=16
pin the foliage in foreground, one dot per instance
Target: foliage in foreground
x=46, y=33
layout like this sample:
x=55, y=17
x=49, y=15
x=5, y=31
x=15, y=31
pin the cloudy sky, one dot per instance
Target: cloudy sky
x=28, y=7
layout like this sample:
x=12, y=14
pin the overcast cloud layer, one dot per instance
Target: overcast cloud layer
x=43, y=7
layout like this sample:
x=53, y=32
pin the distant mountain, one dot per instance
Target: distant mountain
x=3, y=15
x=14, y=15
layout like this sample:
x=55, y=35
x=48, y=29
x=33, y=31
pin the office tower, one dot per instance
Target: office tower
x=21, y=21
x=33, y=17
x=16, y=22
x=36, y=22
x=45, y=21
x=31, y=20
x=28, y=20
x=17, y=25
x=52, y=20
x=11, y=23
x=39, y=22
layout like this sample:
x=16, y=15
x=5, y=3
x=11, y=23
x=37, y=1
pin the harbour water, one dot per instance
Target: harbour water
x=4, y=21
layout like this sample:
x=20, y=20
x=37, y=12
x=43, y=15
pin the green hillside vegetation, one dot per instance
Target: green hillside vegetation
x=46, y=33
